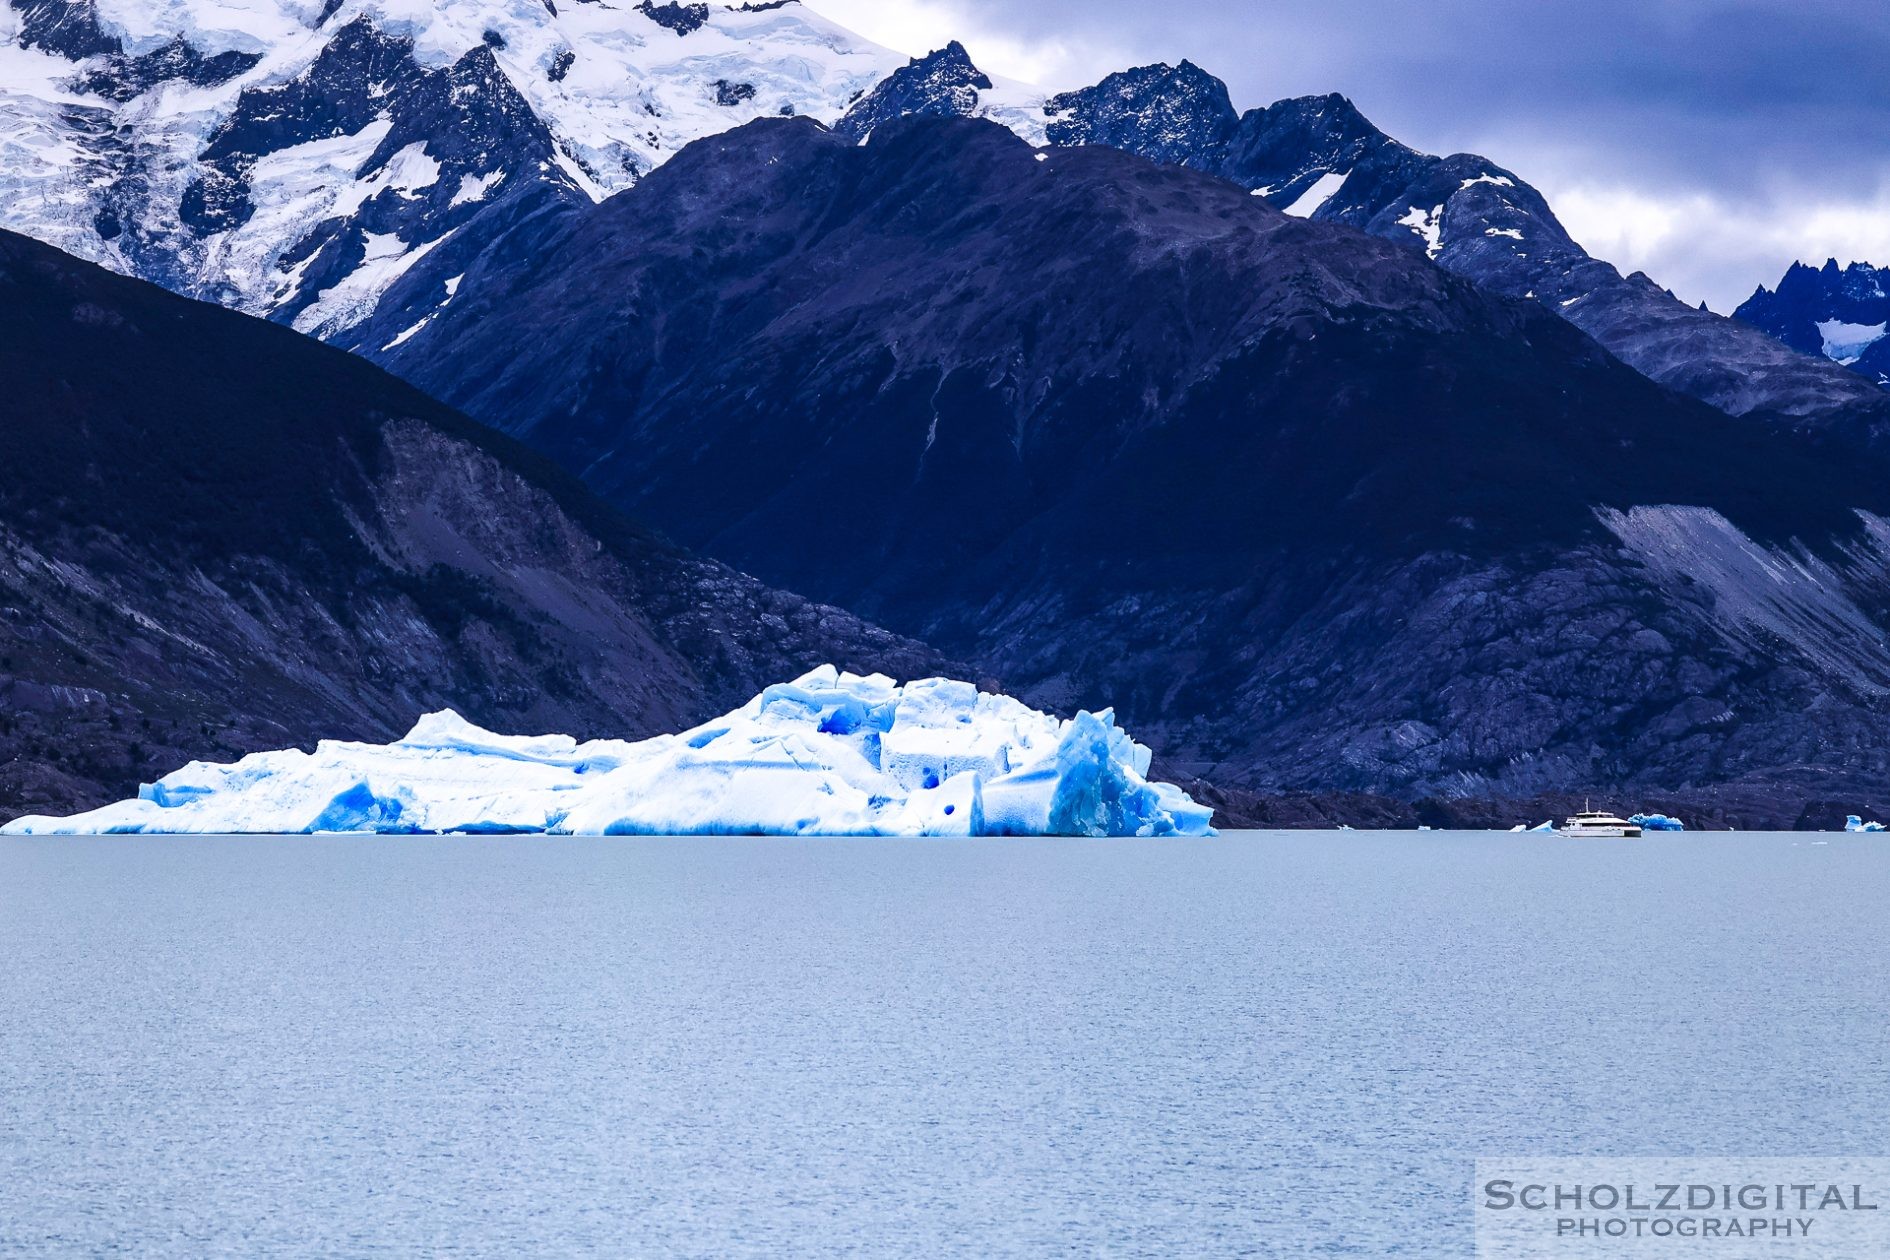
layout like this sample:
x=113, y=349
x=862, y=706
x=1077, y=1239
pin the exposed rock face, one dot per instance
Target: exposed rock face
x=1181, y=115
x=943, y=84
x=1313, y=513
x=69, y=28
x=1842, y=314
x=122, y=78
x=217, y=536
x=684, y=19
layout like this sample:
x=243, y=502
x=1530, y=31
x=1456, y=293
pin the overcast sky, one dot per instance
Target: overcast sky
x=1707, y=142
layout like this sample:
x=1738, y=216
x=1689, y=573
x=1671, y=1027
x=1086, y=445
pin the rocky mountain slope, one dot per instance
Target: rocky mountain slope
x=218, y=536
x=1312, y=511
x=1840, y=313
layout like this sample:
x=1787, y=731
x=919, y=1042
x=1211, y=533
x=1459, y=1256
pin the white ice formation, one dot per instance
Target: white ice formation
x=827, y=754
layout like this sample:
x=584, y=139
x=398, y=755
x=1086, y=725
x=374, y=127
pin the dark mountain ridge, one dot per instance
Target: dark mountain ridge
x=1840, y=313
x=1314, y=513
x=217, y=535
x=1322, y=157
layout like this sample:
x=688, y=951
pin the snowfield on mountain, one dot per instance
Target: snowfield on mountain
x=827, y=754
x=294, y=157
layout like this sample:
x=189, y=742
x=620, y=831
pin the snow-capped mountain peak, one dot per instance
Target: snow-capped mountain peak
x=295, y=157
x=1179, y=115
x=946, y=82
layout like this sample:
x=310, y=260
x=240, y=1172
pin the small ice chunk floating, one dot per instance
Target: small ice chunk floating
x=829, y=754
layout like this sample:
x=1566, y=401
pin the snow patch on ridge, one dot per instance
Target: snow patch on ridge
x=827, y=754
x=1846, y=343
x=408, y=335
x=475, y=187
x=1322, y=190
x=343, y=305
x=1429, y=226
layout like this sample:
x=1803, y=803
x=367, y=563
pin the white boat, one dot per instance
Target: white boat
x=1592, y=824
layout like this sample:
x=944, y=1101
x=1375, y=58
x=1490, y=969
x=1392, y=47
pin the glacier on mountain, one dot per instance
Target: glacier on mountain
x=1846, y=343
x=295, y=158
x=830, y=753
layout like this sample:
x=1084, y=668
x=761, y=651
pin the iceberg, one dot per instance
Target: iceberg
x=1657, y=822
x=828, y=754
x=1854, y=823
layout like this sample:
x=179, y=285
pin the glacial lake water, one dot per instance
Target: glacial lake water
x=1272, y=1043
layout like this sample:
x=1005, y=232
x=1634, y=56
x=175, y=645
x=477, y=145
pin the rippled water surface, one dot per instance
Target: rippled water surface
x=1291, y=1044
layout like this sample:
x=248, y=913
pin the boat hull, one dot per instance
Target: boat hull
x=1600, y=833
